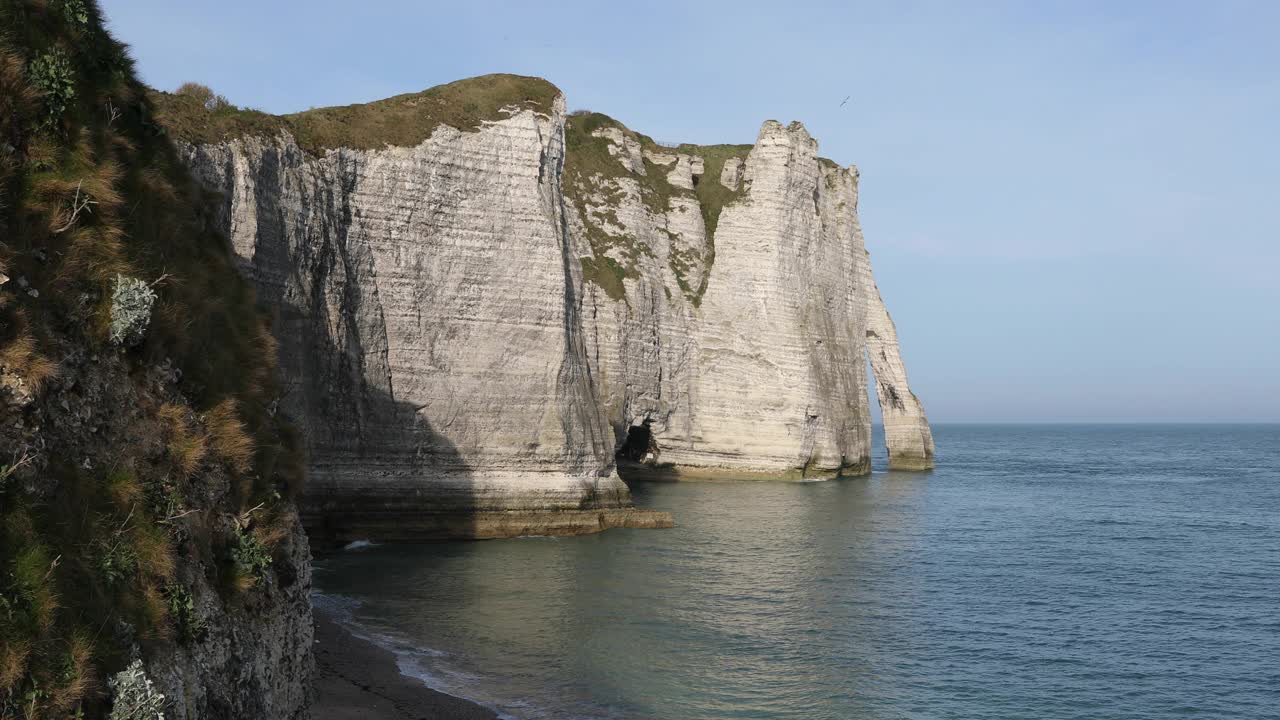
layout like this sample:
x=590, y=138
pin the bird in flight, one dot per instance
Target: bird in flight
x=845, y=100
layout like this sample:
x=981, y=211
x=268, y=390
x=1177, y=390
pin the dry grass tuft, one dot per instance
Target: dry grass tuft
x=230, y=440
x=78, y=674
x=154, y=551
x=155, y=608
x=21, y=357
x=243, y=582
x=17, y=98
x=124, y=490
x=272, y=531
x=13, y=663
x=95, y=252
x=103, y=185
x=32, y=571
x=156, y=184
x=172, y=415
x=187, y=447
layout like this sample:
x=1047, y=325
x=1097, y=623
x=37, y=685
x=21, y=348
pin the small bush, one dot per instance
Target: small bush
x=75, y=13
x=131, y=303
x=135, y=698
x=182, y=608
x=54, y=77
x=249, y=558
x=204, y=95
x=117, y=562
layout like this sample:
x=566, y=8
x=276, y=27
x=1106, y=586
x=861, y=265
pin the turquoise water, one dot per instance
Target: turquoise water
x=1044, y=572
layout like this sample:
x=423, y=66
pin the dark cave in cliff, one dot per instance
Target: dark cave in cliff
x=637, y=456
x=637, y=444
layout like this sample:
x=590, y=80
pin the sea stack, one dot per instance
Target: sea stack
x=733, y=307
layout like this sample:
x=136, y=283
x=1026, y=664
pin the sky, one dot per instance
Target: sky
x=1072, y=207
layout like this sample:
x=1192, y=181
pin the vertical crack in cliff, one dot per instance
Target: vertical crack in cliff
x=581, y=418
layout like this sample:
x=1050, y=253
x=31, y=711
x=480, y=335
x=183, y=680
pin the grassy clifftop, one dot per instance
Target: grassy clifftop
x=142, y=463
x=403, y=120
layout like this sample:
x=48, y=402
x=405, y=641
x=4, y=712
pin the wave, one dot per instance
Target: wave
x=428, y=666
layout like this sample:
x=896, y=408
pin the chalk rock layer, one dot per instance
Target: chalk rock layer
x=428, y=314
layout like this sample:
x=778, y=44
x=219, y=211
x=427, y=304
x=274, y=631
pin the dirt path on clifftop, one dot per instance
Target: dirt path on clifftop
x=357, y=680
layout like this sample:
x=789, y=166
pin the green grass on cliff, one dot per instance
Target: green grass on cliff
x=589, y=168
x=91, y=188
x=713, y=196
x=403, y=120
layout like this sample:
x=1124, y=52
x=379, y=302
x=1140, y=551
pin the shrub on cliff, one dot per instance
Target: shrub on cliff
x=113, y=519
x=51, y=74
x=204, y=95
x=131, y=302
x=135, y=697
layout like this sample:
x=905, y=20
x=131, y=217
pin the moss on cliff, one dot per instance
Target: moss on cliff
x=125, y=472
x=713, y=197
x=403, y=120
x=590, y=169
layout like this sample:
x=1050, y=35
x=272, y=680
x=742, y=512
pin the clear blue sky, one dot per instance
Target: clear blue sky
x=1072, y=206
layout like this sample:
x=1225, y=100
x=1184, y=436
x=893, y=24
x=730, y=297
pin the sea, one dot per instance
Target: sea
x=1051, y=572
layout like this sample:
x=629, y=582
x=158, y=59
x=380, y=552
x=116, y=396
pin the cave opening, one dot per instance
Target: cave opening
x=637, y=444
x=637, y=457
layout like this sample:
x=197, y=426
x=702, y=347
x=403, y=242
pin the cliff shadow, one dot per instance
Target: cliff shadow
x=377, y=468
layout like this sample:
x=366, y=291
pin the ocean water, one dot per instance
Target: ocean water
x=1046, y=572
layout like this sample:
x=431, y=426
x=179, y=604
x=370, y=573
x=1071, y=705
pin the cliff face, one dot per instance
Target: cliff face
x=732, y=332
x=428, y=307
x=147, y=571
x=479, y=314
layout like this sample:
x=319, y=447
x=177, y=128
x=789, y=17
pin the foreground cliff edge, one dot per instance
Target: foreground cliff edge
x=482, y=300
x=150, y=556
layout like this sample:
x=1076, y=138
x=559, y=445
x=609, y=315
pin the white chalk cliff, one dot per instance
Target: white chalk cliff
x=731, y=338
x=476, y=320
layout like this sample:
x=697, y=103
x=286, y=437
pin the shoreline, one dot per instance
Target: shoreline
x=357, y=680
